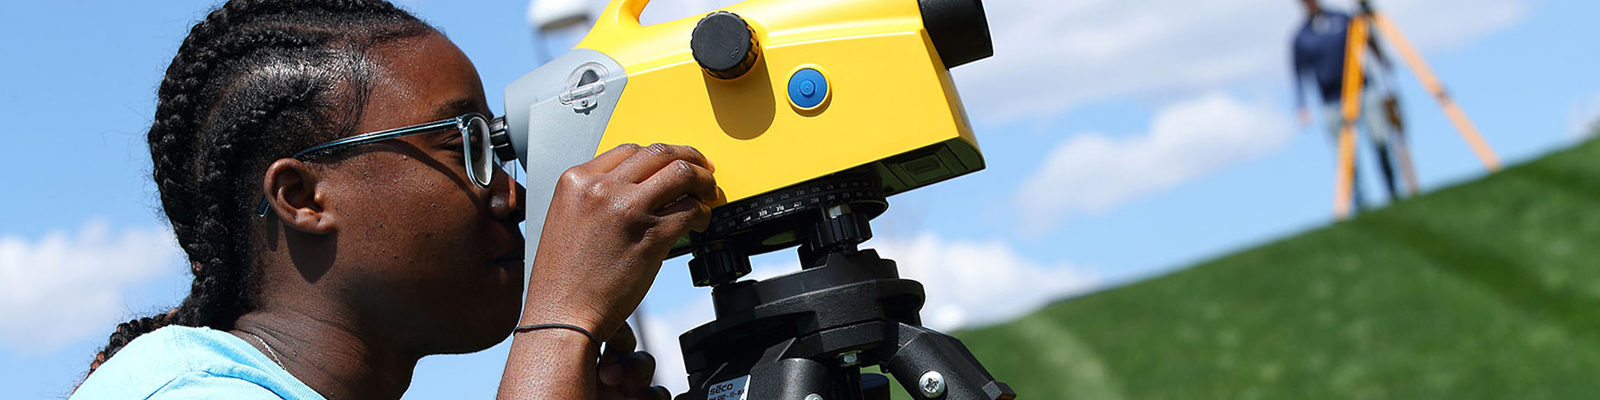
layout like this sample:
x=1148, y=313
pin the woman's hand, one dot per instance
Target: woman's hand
x=625, y=374
x=611, y=223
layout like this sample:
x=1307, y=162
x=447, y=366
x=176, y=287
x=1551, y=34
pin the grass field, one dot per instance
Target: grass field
x=1486, y=290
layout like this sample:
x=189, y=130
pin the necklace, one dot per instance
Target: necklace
x=270, y=352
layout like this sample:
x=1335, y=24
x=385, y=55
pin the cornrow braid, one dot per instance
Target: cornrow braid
x=144, y=324
x=253, y=82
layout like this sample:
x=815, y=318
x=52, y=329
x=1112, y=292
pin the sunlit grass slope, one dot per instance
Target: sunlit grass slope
x=1486, y=290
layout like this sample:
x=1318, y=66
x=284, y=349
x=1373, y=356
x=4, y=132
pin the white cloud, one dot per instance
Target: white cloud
x=1051, y=55
x=1092, y=173
x=973, y=283
x=65, y=287
x=968, y=283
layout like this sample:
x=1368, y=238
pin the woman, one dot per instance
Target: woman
x=328, y=273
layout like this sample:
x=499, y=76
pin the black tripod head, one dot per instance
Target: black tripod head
x=806, y=335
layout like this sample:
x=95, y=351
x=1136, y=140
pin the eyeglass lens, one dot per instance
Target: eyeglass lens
x=479, y=158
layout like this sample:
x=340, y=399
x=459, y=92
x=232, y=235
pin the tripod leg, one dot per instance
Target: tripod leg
x=1344, y=184
x=1402, y=154
x=777, y=375
x=1351, y=109
x=1386, y=166
x=928, y=362
x=1431, y=83
x=789, y=379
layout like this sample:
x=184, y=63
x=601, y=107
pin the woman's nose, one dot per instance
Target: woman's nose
x=506, y=199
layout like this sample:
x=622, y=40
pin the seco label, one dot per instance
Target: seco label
x=733, y=389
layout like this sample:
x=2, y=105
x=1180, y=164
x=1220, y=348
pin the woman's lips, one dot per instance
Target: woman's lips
x=511, y=260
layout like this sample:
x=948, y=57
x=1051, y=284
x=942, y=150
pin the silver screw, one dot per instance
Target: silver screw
x=838, y=210
x=813, y=396
x=932, y=384
x=850, y=358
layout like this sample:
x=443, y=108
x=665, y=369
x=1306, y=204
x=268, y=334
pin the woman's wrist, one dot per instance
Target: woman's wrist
x=567, y=312
x=593, y=340
x=565, y=339
x=550, y=363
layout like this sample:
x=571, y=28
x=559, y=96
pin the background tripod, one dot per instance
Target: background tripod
x=806, y=335
x=1360, y=33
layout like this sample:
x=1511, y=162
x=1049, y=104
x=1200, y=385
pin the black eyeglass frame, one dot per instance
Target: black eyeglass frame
x=463, y=123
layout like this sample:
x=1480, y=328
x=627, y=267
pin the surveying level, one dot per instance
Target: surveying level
x=1354, y=77
x=775, y=92
x=814, y=112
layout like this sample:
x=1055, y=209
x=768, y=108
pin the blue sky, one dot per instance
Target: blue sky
x=1124, y=139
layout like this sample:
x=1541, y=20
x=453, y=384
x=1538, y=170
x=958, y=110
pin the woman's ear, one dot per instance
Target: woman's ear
x=295, y=197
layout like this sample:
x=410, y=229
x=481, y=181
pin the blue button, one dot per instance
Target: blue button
x=808, y=88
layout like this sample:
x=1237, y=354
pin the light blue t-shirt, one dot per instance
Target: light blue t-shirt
x=180, y=362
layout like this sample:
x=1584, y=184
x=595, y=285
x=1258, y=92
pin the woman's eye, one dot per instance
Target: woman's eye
x=453, y=145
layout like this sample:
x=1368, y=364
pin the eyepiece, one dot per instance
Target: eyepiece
x=500, y=140
x=959, y=30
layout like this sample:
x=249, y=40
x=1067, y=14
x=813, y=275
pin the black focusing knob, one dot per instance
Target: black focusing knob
x=724, y=45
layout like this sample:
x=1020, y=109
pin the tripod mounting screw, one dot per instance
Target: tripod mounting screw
x=849, y=359
x=931, y=384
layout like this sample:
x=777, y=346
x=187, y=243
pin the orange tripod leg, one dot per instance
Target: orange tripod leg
x=1351, y=108
x=1430, y=82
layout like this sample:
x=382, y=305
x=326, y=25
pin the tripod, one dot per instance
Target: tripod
x=1360, y=34
x=806, y=335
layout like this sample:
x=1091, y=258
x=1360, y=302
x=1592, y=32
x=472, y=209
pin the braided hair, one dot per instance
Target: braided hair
x=255, y=81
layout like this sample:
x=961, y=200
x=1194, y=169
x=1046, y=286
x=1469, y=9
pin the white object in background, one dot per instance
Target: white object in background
x=549, y=15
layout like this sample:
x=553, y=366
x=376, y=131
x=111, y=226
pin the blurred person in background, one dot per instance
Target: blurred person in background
x=1319, y=49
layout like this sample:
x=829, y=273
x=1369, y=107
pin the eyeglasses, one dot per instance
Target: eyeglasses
x=475, y=142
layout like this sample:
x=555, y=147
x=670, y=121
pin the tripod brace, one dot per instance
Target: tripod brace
x=805, y=335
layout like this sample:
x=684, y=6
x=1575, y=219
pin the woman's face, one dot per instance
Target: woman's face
x=432, y=258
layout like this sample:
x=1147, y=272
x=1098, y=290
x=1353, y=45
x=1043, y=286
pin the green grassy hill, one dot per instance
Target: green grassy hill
x=1486, y=290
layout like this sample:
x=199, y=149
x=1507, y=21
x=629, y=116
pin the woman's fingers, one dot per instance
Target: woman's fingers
x=612, y=362
x=639, y=369
x=620, y=343
x=682, y=193
x=644, y=163
x=607, y=161
x=687, y=214
x=679, y=179
x=656, y=393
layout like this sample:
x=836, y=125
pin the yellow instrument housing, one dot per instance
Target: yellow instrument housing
x=890, y=95
x=777, y=93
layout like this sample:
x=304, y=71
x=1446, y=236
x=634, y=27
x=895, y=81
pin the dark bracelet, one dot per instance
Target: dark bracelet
x=592, y=338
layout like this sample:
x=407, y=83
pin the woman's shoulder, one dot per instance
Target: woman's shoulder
x=193, y=385
x=178, y=362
